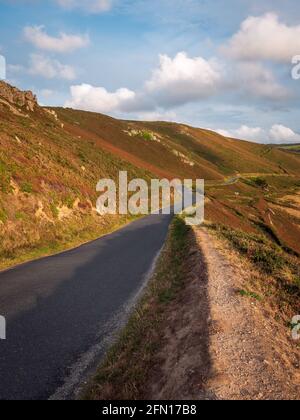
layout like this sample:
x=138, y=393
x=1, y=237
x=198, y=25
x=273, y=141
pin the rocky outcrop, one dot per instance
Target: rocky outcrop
x=17, y=97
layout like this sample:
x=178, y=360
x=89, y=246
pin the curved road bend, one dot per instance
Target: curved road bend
x=62, y=310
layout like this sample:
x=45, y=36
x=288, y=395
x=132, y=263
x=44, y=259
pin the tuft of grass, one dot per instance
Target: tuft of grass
x=54, y=210
x=261, y=182
x=5, y=177
x=252, y=295
x=147, y=135
x=26, y=187
x=256, y=182
x=118, y=378
x=20, y=215
x=3, y=216
x=69, y=201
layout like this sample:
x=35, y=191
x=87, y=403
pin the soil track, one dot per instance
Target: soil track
x=219, y=345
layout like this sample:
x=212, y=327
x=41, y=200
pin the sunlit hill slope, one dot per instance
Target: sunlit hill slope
x=52, y=159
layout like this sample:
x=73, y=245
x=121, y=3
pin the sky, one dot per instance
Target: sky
x=227, y=65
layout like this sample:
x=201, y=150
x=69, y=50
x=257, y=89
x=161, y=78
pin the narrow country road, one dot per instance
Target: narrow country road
x=62, y=310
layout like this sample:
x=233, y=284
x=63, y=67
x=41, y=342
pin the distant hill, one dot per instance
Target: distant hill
x=294, y=148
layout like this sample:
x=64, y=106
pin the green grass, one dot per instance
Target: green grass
x=26, y=187
x=5, y=177
x=119, y=377
x=295, y=148
x=252, y=295
x=256, y=182
x=147, y=135
x=260, y=182
x=54, y=210
x=56, y=240
x=20, y=215
x=3, y=215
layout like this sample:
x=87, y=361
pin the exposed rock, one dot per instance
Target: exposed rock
x=41, y=214
x=183, y=158
x=52, y=112
x=55, y=117
x=17, y=97
x=147, y=135
x=64, y=212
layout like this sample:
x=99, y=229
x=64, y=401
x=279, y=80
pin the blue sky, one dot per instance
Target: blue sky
x=219, y=64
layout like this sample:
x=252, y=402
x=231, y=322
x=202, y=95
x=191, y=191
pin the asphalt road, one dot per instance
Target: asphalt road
x=61, y=311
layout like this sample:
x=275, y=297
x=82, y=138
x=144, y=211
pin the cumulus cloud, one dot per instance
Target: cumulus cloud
x=158, y=116
x=244, y=132
x=38, y=37
x=183, y=79
x=178, y=81
x=264, y=38
x=175, y=82
x=90, y=6
x=281, y=134
x=98, y=99
x=277, y=134
x=259, y=81
x=48, y=68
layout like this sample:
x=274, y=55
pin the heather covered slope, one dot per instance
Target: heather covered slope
x=48, y=182
x=178, y=150
x=246, y=182
x=52, y=159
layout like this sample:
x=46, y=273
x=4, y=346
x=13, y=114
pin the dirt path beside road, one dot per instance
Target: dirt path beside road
x=219, y=344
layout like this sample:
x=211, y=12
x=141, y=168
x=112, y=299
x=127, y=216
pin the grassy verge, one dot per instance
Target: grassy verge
x=123, y=375
x=70, y=238
x=279, y=270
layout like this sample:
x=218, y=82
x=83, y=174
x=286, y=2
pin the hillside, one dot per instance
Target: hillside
x=52, y=159
x=174, y=150
x=48, y=181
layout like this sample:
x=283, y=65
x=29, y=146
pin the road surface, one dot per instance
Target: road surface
x=61, y=311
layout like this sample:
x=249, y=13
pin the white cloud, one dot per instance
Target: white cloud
x=244, y=133
x=278, y=134
x=264, y=38
x=176, y=82
x=49, y=68
x=90, y=6
x=259, y=81
x=281, y=134
x=157, y=116
x=179, y=81
x=183, y=79
x=37, y=36
x=98, y=99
